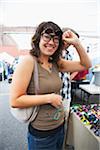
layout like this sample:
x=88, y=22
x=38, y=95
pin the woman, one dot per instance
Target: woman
x=46, y=132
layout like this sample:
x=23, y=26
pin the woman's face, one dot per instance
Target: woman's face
x=49, y=43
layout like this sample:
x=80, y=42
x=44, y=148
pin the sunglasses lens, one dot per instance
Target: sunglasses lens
x=48, y=31
x=58, y=33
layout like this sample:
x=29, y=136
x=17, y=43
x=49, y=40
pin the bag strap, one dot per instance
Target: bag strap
x=36, y=79
x=36, y=85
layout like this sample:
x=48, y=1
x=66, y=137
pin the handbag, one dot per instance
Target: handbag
x=27, y=115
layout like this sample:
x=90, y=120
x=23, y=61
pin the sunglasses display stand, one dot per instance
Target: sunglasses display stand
x=84, y=127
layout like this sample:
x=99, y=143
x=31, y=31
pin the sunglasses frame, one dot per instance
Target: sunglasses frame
x=47, y=37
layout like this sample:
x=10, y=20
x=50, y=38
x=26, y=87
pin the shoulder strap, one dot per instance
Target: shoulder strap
x=36, y=79
x=36, y=85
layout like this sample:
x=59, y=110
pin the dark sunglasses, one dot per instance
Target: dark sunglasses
x=47, y=37
x=49, y=30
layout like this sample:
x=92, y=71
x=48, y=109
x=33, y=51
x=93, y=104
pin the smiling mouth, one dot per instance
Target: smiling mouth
x=50, y=49
x=50, y=46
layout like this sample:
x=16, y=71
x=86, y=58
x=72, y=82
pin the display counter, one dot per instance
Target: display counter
x=80, y=135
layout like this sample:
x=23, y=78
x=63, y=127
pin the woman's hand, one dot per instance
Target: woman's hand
x=70, y=38
x=55, y=100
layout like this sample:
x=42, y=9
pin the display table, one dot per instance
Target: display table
x=89, y=89
x=80, y=135
x=75, y=85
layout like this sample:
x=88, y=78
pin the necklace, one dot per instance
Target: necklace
x=47, y=66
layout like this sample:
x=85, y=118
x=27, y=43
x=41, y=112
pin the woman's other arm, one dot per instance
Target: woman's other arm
x=71, y=66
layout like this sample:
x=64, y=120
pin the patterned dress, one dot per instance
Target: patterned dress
x=66, y=84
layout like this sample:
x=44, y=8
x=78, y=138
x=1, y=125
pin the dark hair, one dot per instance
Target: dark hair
x=66, y=29
x=35, y=51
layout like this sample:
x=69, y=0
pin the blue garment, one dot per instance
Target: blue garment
x=50, y=142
